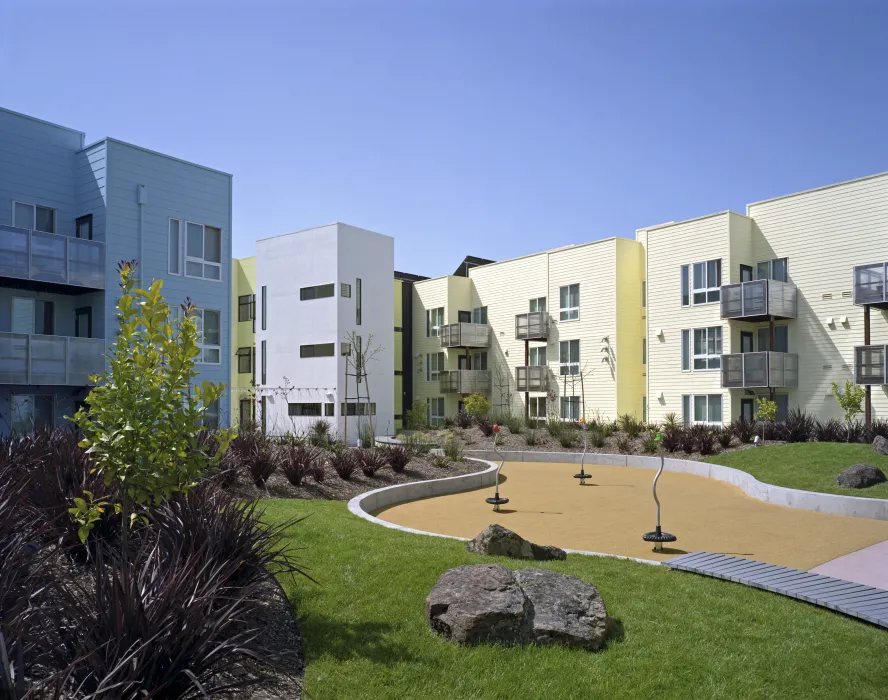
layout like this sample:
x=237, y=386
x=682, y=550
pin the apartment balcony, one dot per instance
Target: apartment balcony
x=760, y=370
x=759, y=300
x=871, y=364
x=38, y=257
x=49, y=359
x=532, y=326
x=465, y=335
x=465, y=381
x=870, y=285
x=532, y=379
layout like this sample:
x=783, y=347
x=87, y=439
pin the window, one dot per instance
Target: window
x=434, y=321
x=399, y=373
x=317, y=350
x=264, y=306
x=705, y=352
x=644, y=293
x=538, y=304
x=705, y=282
x=264, y=410
x=83, y=322
x=345, y=349
x=746, y=273
x=781, y=339
x=570, y=302
x=254, y=365
x=211, y=416
x=569, y=357
x=203, y=251
x=33, y=316
x=644, y=409
x=436, y=411
x=321, y=291
x=304, y=409
x=246, y=411
x=358, y=309
x=353, y=408
x=707, y=408
x=34, y=217
x=644, y=351
x=31, y=412
x=328, y=410
x=263, y=373
x=399, y=329
x=537, y=357
x=345, y=290
x=782, y=401
x=246, y=307
x=537, y=407
x=775, y=269
x=570, y=408
x=479, y=360
x=434, y=365
x=479, y=315
x=244, y=360
x=83, y=227
x=209, y=335
x=175, y=247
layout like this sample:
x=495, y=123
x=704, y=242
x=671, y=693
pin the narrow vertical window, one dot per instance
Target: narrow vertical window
x=686, y=351
x=358, y=301
x=644, y=293
x=264, y=412
x=264, y=307
x=83, y=227
x=644, y=351
x=685, y=286
x=263, y=363
x=175, y=248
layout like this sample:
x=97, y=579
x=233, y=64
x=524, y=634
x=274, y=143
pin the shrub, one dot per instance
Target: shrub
x=829, y=431
x=370, y=460
x=417, y=443
x=567, y=438
x=477, y=405
x=530, y=438
x=879, y=427
x=798, y=427
x=673, y=439
x=624, y=444
x=514, y=424
x=453, y=449
x=854, y=431
x=297, y=462
x=262, y=461
x=670, y=421
x=321, y=430
x=418, y=417
x=365, y=435
x=484, y=425
x=555, y=427
x=649, y=443
x=849, y=400
x=608, y=428
x=595, y=438
x=688, y=439
x=743, y=429
x=398, y=458
x=630, y=425
x=463, y=420
x=725, y=436
x=441, y=461
x=343, y=463
x=706, y=441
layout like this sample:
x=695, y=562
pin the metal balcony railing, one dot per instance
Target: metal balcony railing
x=750, y=370
x=49, y=359
x=49, y=257
x=871, y=364
x=465, y=335
x=533, y=378
x=870, y=284
x=532, y=326
x=465, y=381
x=758, y=300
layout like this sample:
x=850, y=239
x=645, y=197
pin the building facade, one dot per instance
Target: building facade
x=69, y=213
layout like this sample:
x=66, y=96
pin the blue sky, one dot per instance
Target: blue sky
x=484, y=128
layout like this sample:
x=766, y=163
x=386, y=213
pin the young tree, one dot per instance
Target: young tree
x=765, y=410
x=141, y=420
x=357, y=363
x=850, y=400
x=477, y=405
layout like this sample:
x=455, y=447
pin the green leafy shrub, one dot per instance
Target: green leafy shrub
x=530, y=438
x=671, y=421
x=850, y=400
x=514, y=424
x=554, y=427
x=595, y=438
x=441, y=461
x=418, y=417
x=567, y=438
x=477, y=405
x=453, y=449
x=365, y=435
x=416, y=443
x=630, y=425
x=649, y=444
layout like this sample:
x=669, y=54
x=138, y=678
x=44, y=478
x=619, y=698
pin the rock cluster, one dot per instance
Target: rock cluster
x=498, y=541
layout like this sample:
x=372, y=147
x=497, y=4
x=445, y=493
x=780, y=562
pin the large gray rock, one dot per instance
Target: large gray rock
x=860, y=476
x=481, y=603
x=498, y=541
x=565, y=610
x=880, y=445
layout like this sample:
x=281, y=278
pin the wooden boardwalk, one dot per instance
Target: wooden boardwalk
x=854, y=599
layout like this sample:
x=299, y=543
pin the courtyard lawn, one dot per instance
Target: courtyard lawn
x=682, y=636
x=810, y=466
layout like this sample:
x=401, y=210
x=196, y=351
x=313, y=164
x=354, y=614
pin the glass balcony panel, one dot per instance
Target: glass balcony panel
x=48, y=359
x=86, y=263
x=85, y=358
x=14, y=252
x=48, y=257
x=13, y=358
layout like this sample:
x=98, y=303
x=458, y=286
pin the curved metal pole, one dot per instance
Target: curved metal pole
x=654, y=489
x=496, y=501
x=582, y=476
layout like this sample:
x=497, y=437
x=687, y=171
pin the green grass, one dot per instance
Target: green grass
x=683, y=635
x=810, y=466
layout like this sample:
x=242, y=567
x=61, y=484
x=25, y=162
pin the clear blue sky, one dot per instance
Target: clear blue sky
x=485, y=128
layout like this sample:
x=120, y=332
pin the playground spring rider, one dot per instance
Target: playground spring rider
x=658, y=537
x=496, y=501
x=582, y=476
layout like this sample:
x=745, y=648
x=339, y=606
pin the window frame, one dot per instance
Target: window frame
x=688, y=409
x=434, y=375
x=291, y=409
x=644, y=352
x=186, y=258
x=214, y=409
x=433, y=331
x=87, y=218
x=359, y=310
x=436, y=419
x=264, y=356
x=689, y=290
x=303, y=349
x=570, y=363
x=240, y=354
x=688, y=349
x=479, y=315
x=568, y=310
x=569, y=402
x=770, y=264
x=758, y=337
x=533, y=407
x=13, y=409
x=179, y=271
x=249, y=305
x=264, y=308
x=200, y=338
x=533, y=356
x=55, y=218
x=303, y=291
x=536, y=301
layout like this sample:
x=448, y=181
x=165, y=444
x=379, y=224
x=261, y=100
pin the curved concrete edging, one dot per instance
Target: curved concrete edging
x=852, y=506
x=362, y=504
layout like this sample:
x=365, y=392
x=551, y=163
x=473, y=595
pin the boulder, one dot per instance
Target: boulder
x=498, y=541
x=565, y=610
x=880, y=445
x=481, y=603
x=860, y=476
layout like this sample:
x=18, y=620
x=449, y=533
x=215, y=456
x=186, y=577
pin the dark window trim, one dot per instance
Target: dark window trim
x=318, y=291
x=358, y=310
x=398, y=329
x=242, y=354
x=301, y=406
x=87, y=218
x=264, y=306
x=89, y=320
x=399, y=373
x=245, y=307
x=309, y=351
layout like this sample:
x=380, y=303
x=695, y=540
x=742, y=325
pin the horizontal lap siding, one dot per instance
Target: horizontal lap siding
x=90, y=184
x=630, y=328
x=825, y=233
x=429, y=294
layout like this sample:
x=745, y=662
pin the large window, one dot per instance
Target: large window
x=211, y=416
x=434, y=321
x=570, y=408
x=209, y=334
x=536, y=408
x=537, y=357
x=569, y=298
x=434, y=366
x=244, y=360
x=203, y=251
x=701, y=408
x=569, y=357
x=33, y=316
x=538, y=304
x=320, y=291
x=246, y=307
x=781, y=339
x=479, y=315
x=479, y=360
x=317, y=350
x=701, y=348
x=436, y=411
x=83, y=227
x=775, y=269
x=705, y=282
x=34, y=217
x=312, y=410
x=354, y=408
x=31, y=412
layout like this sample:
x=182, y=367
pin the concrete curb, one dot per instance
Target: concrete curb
x=852, y=506
x=362, y=504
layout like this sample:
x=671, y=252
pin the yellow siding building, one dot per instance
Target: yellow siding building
x=243, y=340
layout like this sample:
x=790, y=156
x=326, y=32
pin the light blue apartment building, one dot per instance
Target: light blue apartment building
x=69, y=213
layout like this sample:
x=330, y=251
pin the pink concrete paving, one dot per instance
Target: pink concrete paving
x=868, y=566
